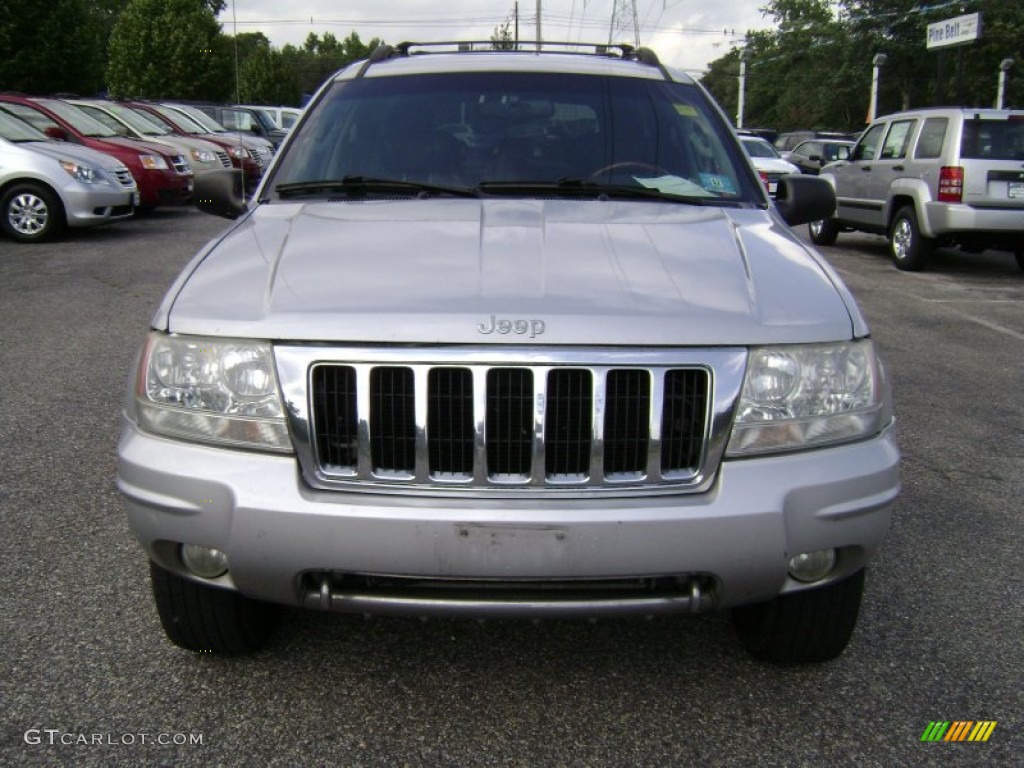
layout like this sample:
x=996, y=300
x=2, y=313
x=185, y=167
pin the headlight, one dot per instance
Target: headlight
x=202, y=156
x=809, y=395
x=239, y=152
x=153, y=162
x=83, y=173
x=211, y=390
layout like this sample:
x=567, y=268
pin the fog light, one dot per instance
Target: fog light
x=812, y=566
x=204, y=561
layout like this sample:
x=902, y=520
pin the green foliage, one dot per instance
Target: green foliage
x=169, y=49
x=319, y=57
x=49, y=47
x=814, y=69
x=264, y=78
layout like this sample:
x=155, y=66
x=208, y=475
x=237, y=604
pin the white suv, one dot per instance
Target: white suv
x=510, y=334
x=933, y=177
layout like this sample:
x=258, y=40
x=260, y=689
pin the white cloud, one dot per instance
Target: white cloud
x=688, y=34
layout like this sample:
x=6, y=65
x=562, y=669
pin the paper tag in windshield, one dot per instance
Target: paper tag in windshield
x=685, y=110
x=720, y=185
x=675, y=185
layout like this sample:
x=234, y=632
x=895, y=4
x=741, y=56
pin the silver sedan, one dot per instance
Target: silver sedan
x=46, y=185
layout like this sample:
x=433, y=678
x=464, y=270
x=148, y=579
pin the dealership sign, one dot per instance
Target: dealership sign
x=962, y=29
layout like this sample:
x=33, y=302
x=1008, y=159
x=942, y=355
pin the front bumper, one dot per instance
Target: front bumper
x=160, y=187
x=89, y=205
x=289, y=544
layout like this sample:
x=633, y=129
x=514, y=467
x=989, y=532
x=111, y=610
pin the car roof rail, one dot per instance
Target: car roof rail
x=643, y=55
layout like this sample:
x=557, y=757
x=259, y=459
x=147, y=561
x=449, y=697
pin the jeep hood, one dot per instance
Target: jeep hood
x=510, y=272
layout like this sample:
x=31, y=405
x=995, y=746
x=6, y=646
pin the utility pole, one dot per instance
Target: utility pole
x=540, y=38
x=624, y=19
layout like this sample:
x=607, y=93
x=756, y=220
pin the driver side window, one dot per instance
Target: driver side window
x=867, y=147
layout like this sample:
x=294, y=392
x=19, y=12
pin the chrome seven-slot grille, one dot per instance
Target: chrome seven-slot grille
x=507, y=426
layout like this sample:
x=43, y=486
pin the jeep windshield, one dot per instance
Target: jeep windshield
x=517, y=134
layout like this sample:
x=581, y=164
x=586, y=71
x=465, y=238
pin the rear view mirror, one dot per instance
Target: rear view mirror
x=801, y=199
x=221, y=193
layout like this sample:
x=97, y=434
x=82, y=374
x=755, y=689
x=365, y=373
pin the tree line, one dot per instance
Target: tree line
x=811, y=70
x=814, y=68
x=158, y=49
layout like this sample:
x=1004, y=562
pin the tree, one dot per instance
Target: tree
x=169, y=49
x=501, y=38
x=49, y=47
x=264, y=78
x=321, y=57
x=813, y=70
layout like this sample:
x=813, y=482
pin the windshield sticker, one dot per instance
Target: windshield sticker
x=685, y=110
x=720, y=185
x=674, y=185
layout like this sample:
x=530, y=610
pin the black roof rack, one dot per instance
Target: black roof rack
x=616, y=50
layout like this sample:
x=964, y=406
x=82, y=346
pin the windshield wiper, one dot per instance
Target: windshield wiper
x=363, y=184
x=586, y=187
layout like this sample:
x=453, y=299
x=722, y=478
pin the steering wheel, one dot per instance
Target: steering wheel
x=630, y=164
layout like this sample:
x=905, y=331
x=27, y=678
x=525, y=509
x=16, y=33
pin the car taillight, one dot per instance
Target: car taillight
x=764, y=178
x=951, y=184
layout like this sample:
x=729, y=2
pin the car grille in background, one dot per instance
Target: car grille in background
x=124, y=178
x=508, y=426
x=223, y=158
x=262, y=155
x=180, y=164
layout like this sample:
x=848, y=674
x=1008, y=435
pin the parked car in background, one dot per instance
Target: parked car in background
x=252, y=121
x=164, y=176
x=47, y=185
x=248, y=155
x=810, y=156
x=261, y=149
x=283, y=117
x=786, y=141
x=933, y=177
x=770, y=166
x=202, y=155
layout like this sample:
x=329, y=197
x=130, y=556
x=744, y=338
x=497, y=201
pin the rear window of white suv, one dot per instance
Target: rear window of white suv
x=993, y=139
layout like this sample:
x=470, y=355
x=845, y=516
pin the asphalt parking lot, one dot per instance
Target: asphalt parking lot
x=90, y=680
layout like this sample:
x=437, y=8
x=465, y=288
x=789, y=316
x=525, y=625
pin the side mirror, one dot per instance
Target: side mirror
x=800, y=199
x=221, y=193
x=56, y=132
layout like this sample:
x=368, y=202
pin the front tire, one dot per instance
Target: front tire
x=823, y=231
x=208, y=619
x=907, y=246
x=32, y=213
x=814, y=625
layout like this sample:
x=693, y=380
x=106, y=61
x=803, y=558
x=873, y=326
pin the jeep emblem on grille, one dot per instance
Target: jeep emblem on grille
x=503, y=325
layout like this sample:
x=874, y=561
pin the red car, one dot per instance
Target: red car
x=163, y=178
x=244, y=153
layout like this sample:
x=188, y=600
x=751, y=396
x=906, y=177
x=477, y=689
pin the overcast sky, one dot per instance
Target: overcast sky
x=688, y=34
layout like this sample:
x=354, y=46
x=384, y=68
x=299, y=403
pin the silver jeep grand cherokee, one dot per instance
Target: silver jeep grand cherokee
x=510, y=334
